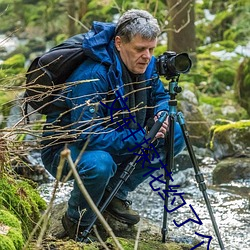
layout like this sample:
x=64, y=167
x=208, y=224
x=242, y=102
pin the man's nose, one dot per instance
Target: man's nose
x=146, y=54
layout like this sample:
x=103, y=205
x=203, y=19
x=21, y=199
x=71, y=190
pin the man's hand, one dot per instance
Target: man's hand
x=164, y=128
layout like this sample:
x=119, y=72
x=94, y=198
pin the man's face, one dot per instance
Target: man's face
x=137, y=53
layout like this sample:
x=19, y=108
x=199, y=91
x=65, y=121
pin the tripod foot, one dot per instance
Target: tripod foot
x=164, y=232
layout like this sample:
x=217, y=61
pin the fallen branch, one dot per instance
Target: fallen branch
x=66, y=154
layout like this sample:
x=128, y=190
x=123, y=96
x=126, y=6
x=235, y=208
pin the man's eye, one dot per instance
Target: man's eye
x=139, y=50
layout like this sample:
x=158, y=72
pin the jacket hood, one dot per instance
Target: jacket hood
x=98, y=43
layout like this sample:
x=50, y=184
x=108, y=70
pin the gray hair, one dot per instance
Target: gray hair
x=137, y=22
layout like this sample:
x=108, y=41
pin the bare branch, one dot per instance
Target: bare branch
x=66, y=154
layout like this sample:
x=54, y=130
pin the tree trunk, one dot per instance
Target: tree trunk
x=181, y=27
x=83, y=7
x=71, y=6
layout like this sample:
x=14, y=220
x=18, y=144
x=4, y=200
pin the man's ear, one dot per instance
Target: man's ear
x=118, y=42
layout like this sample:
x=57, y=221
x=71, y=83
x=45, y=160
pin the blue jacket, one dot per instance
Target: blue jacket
x=87, y=118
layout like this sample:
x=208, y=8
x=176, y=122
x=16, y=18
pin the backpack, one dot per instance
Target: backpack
x=47, y=74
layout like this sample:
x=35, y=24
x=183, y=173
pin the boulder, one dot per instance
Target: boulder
x=231, y=169
x=197, y=125
x=150, y=235
x=231, y=139
x=230, y=143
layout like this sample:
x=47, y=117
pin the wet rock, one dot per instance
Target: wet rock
x=231, y=169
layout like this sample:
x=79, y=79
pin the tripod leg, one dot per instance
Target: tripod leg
x=199, y=176
x=124, y=176
x=170, y=164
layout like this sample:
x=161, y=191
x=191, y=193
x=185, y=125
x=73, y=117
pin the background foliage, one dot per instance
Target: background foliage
x=214, y=33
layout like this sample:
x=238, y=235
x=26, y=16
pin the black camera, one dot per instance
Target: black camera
x=170, y=64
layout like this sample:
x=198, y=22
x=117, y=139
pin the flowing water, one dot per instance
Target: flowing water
x=230, y=204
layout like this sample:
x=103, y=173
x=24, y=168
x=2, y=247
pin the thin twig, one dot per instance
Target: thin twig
x=66, y=154
x=99, y=238
x=45, y=217
x=137, y=236
x=77, y=21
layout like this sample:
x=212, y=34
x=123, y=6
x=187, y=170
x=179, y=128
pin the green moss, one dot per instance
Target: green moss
x=219, y=102
x=239, y=128
x=128, y=244
x=9, y=219
x=13, y=239
x=16, y=237
x=6, y=96
x=235, y=125
x=60, y=38
x=212, y=100
x=225, y=75
x=21, y=199
x=6, y=243
x=16, y=61
x=13, y=71
x=221, y=122
x=91, y=247
x=228, y=45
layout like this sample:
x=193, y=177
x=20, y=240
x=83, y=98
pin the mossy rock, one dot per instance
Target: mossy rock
x=149, y=244
x=22, y=200
x=150, y=235
x=219, y=107
x=224, y=75
x=232, y=139
x=127, y=244
x=11, y=237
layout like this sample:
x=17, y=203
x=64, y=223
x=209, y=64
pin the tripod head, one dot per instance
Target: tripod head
x=174, y=89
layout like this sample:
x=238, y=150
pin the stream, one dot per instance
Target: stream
x=230, y=203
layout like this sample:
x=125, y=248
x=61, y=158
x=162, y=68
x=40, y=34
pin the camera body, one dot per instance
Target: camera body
x=171, y=65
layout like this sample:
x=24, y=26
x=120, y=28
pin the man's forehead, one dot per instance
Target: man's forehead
x=137, y=40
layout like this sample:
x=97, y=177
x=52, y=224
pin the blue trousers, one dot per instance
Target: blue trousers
x=99, y=170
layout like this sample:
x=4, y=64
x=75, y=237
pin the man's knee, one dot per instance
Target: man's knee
x=97, y=165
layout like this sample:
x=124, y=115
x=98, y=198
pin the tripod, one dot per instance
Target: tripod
x=173, y=90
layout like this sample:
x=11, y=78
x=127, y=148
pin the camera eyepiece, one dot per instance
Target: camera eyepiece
x=170, y=64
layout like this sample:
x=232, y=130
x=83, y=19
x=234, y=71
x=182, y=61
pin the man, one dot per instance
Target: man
x=108, y=114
